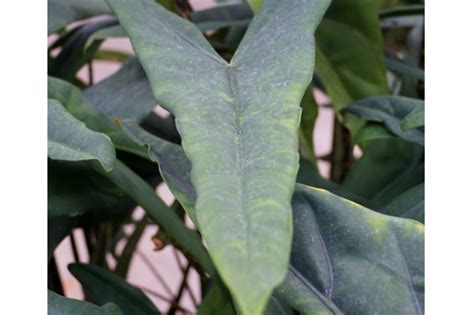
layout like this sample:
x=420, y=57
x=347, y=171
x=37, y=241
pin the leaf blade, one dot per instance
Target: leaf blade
x=220, y=126
x=69, y=139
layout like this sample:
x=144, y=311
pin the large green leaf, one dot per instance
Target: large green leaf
x=62, y=12
x=124, y=95
x=370, y=242
x=69, y=139
x=59, y=305
x=389, y=110
x=238, y=122
x=104, y=286
x=349, y=259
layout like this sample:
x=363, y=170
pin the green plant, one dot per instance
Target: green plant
x=279, y=237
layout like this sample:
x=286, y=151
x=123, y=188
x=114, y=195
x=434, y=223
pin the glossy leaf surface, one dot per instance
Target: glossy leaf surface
x=69, y=139
x=238, y=122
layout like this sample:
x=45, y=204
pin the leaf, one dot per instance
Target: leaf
x=59, y=305
x=72, y=56
x=175, y=167
x=387, y=168
x=61, y=13
x=354, y=259
x=415, y=119
x=308, y=120
x=231, y=15
x=349, y=228
x=58, y=229
x=389, y=110
x=69, y=139
x=276, y=307
x=124, y=95
x=246, y=111
x=76, y=189
x=113, y=31
x=410, y=204
x=104, y=287
x=123, y=262
x=349, y=59
x=371, y=131
x=217, y=301
x=81, y=108
x=402, y=67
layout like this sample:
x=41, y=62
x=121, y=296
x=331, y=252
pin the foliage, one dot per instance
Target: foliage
x=270, y=234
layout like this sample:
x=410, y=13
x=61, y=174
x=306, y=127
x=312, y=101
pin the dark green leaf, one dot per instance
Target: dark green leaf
x=104, y=286
x=402, y=67
x=358, y=260
x=245, y=111
x=74, y=189
x=124, y=95
x=72, y=56
x=387, y=168
x=69, y=139
x=410, y=204
x=349, y=59
x=389, y=110
x=308, y=120
x=58, y=229
x=59, y=305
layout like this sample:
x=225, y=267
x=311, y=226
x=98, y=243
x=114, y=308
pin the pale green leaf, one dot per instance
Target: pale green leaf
x=60, y=305
x=231, y=117
x=415, y=119
x=371, y=131
x=69, y=139
x=106, y=287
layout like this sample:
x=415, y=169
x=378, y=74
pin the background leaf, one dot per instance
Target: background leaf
x=61, y=13
x=106, y=287
x=389, y=110
x=69, y=139
x=59, y=305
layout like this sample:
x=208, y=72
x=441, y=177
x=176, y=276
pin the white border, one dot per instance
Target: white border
x=23, y=124
x=450, y=157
